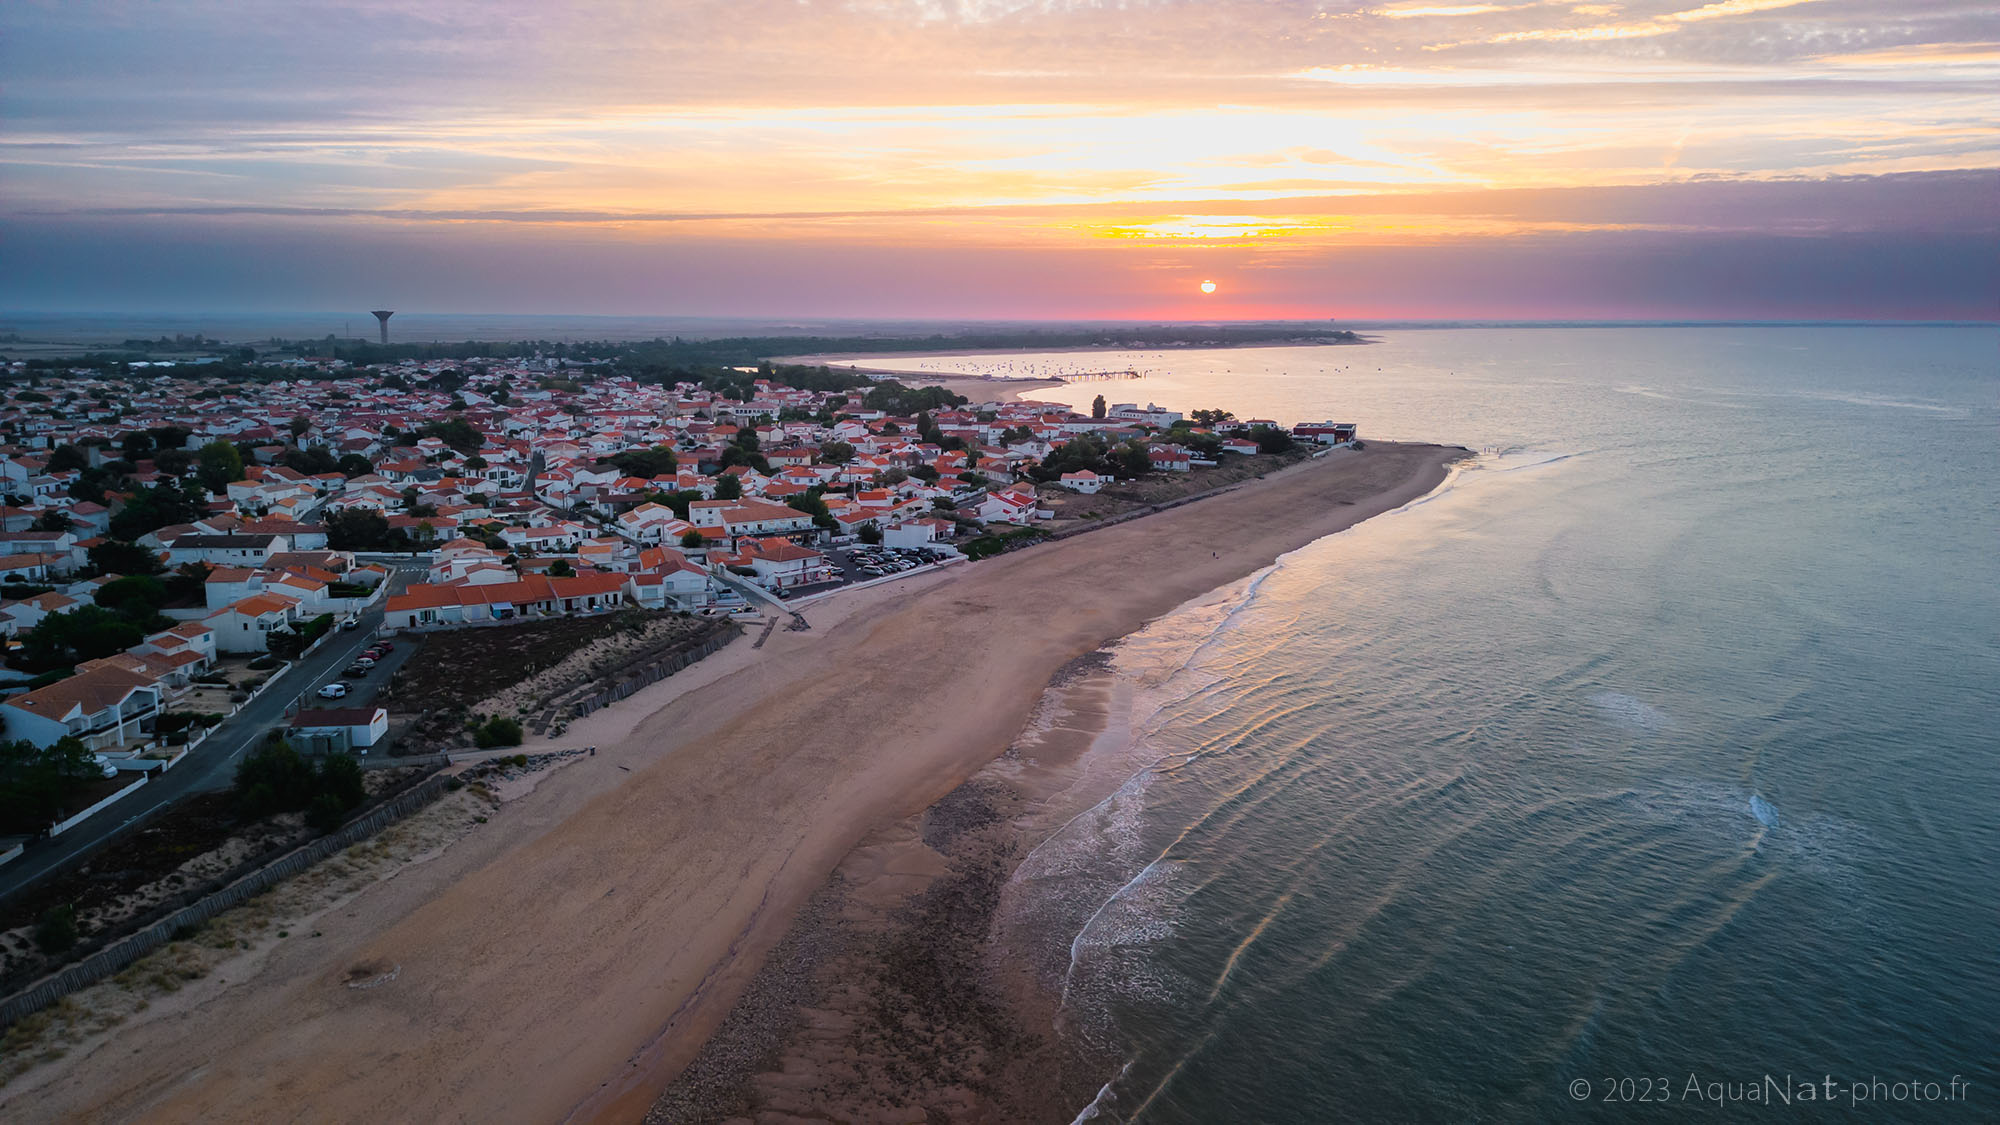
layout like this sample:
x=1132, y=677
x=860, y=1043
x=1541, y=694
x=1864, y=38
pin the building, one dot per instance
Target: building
x=350, y=730
x=227, y=550
x=246, y=625
x=105, y=707
x=1326, y=433
x=1084, y=481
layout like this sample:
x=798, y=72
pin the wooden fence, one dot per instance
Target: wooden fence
x=581, y=701
x=118, y=955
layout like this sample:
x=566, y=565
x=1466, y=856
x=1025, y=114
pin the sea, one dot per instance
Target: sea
x=1650, y=766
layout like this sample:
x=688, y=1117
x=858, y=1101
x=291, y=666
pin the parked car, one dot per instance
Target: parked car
x=385, y=644
x=365, y=660
x=104, y=766
x=351, y=623
x=333, y=691
x=355, y=670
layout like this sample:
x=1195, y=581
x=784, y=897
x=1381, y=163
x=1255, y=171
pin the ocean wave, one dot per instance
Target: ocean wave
x=1630, y=712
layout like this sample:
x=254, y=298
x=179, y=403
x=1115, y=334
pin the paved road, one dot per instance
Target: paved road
x=212, y=765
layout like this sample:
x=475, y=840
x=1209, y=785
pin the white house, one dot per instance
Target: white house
x=246, y=625
x=104, y=707
x=340, y=730
x=1083, y=481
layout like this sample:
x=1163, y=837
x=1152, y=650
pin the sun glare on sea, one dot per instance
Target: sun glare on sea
x=1208, y=286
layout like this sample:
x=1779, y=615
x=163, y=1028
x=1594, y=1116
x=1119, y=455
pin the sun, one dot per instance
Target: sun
x=1208, y=286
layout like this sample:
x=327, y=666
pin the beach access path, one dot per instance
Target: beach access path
x=565, y=960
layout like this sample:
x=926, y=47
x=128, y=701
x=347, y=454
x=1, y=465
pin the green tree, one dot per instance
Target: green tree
x=353, y=465
x=679, y=500
x=870, y=534
x=163, y=505
x=273, y=778
x=114, y=556
x=1131, y=461
x=1270, y=439
x=1209, y=419
x=658, y=461
x=339, y=776
x=56, y=931
x=693, y=541
x=357, y=529
x=38, y=782
x=457, y=433
x=497, y=731
x=137, y=596
x=1097, y=408
x=85, y=633
x=561, y=569
x=729, y=487
x=219, y=463
x=188, y=583
x=55, y=519
x=68, y=458
x=836, y=453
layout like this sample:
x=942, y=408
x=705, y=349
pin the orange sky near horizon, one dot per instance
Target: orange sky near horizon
x=1152, y=142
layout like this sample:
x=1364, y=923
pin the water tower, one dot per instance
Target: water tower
x=383, y=315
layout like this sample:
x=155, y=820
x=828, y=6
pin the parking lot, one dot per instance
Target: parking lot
x=865, y=564
x=363, y=679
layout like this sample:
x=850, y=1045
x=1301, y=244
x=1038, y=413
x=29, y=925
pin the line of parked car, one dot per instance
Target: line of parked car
x=878, y=562
x=363, y=664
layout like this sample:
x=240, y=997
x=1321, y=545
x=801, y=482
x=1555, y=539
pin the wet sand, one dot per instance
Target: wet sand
x=567, y=960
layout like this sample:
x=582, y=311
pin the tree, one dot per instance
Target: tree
x=1097, y=409
x=836, y=453
x=115, y=556
x=163, y=505
x=925, y=473
x=300, y=426
x=136, y=596
x=188, y=582
x=497, y=731
x=56, y=931
x=85, y=633
x=1270, y=439
x=173, y=461
x=1209, y=419
x=457, y=433
x=55, y=519
x=561, y=569
x=693, y=540
x=219, y=463
x=658, y=461
x=37, y=782
x=679, y=500
x=340, y=778
x=870, y=534
x=353, y=465
x=1131, y=461
x=68, y=458
x=729, y=487
x=357, y=529
x=274, y=778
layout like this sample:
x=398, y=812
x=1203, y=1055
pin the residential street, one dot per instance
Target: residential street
x=212, y=765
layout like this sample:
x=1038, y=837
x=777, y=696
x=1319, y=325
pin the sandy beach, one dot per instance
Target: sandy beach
x=568, y=959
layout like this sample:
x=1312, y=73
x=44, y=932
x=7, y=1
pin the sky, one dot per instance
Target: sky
x=1005, y=159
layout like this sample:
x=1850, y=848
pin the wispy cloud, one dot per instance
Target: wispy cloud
x=1099, y=124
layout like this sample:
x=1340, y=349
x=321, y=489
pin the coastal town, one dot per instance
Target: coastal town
x=175, y=540
x=281, y=626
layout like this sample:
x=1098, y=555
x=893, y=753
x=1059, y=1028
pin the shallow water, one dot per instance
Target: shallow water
x=1659, y=745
